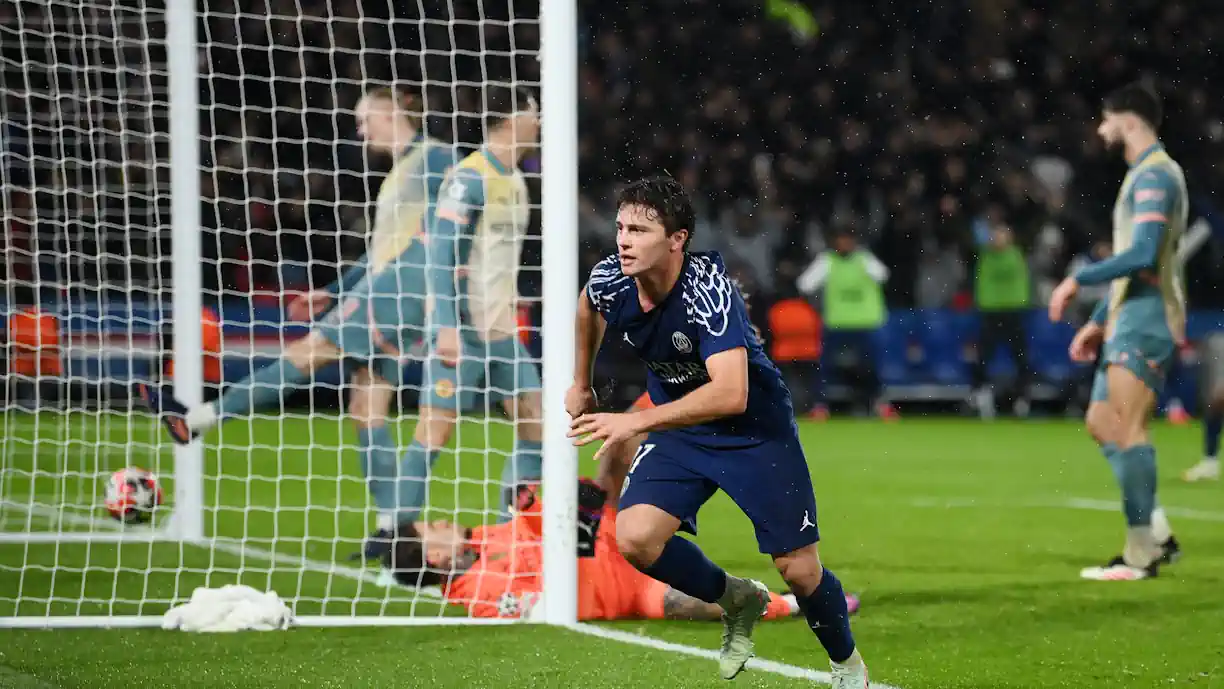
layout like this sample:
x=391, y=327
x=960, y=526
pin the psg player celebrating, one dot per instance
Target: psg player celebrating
x=724, y=420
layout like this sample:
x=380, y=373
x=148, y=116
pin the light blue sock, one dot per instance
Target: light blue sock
x=1111, y=455
x=378, y=467
x=264, y=387
x=415, y=468
x=526, y=464
x=1137, y=466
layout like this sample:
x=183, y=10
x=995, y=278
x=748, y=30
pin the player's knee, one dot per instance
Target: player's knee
x=434, y=428
x=639, y=540
x=530, y=430
x=370, y=399
x=1102, y=423
x=367, y=411
x=1215, y=405
x=801, y=569
x=527, y=411
x=311, y=352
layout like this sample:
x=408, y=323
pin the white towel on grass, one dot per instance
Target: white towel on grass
x=231, y=608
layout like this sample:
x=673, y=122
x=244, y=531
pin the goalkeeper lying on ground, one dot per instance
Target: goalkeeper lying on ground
x=495, y=571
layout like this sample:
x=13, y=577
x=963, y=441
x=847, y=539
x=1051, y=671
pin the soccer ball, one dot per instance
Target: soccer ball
x=132, y=494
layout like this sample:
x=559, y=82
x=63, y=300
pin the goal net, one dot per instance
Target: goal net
x=173, y=182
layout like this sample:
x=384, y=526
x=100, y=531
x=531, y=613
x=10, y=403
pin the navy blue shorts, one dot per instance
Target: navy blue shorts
x=768, y=480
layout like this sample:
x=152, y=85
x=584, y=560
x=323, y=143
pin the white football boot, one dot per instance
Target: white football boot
x=851, y=674
x=745, y=603
x=1205, y=470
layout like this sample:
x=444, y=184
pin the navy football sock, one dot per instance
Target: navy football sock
x=685, y=568
x=1212, y=425
x=829, y=618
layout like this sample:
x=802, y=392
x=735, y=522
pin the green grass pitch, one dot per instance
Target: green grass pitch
x=964, y=538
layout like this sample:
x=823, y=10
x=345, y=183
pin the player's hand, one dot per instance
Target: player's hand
x=446, y=346
x=1086, y=343
x=612, y=429
x=309, y=305
x=579, y=400
x=1062, y=296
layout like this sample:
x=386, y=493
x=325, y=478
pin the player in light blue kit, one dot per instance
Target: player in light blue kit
x=723, y=420
x=475, y=249
x=1141, y=322
x=377, y=315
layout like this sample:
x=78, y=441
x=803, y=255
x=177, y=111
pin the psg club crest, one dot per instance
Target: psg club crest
x=681, y=342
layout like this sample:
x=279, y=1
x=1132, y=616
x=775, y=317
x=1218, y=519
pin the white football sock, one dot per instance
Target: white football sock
x=386, y=521
x=855, y=660
x=1141, y=548
x=792, y=604
x=202, y=417
x=1161, y=529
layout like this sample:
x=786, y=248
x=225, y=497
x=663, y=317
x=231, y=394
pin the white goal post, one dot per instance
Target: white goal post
x=144, y=188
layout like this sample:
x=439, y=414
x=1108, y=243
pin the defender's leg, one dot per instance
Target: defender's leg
x=1208, y=468
x=1120, y=423
x=369, y=403
x=263, y=388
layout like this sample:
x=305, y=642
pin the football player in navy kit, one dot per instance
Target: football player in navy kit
x=723, y=420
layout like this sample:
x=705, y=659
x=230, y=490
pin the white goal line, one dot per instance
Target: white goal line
x=238, y=549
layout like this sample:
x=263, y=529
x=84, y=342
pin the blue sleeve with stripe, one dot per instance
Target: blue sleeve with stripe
x=438, y=162
x=1152, y=196
x=349, y=278
x=458, y=209
x=1101, y=312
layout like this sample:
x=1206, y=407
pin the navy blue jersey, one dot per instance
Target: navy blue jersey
x=703, y=315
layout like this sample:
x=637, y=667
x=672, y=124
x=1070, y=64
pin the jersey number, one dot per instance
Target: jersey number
x=642, y=451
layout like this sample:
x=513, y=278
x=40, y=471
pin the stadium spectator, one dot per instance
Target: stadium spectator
x=903, y=120
x=794, y=345
x=850, y=282
x=1003, y=292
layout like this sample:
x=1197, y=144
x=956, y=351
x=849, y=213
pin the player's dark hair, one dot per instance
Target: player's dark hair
x=666, y=198
x=407, y=100
x=1138, y=98
x=501, y=103
x=406, y=559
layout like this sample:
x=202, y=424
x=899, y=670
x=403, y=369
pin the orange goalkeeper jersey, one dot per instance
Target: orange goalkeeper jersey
x=505, y=581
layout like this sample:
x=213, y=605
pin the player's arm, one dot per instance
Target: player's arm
x=814, y=277
x=589, y=328
x=458, y=208
x=1153, y=194
x=725, y=395
x=1101, y=312
x=349, y=278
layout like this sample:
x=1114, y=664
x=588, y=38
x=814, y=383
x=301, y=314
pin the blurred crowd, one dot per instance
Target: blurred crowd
x=915, y=127
x=908, y=123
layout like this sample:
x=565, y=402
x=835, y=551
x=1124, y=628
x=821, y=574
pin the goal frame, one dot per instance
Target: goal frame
x=559, y=152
